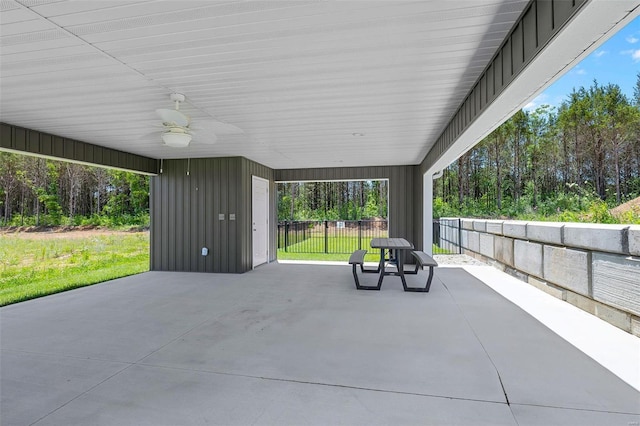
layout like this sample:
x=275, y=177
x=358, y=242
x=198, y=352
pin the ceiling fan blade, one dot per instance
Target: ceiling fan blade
x=226, y=128
x=209, y=138
x=172, y=116
x=217, y=127
x=151, y=135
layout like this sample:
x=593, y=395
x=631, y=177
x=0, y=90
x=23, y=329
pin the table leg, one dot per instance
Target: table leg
x=381, y=267
x=400, y=260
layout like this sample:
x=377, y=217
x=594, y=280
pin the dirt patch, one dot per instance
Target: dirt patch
x=47, y=232
x=631, y=205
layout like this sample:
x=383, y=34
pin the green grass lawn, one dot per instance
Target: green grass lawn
x=282, y=255
x=34, y=265
x=438, y=250
x=313, y=249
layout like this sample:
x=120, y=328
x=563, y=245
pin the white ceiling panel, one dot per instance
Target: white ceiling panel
x=122, y=11
x=298, y=78
x=32, y=25
x=57, y=8
x=42, y=45
x=11, y=16
x=46, y=54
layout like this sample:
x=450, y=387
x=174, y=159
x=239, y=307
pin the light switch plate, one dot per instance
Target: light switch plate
x=232, y=216
x=221, y=216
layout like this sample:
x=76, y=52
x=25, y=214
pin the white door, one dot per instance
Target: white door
x=260, y=220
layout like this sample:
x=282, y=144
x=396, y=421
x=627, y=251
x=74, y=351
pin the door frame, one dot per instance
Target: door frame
x=266, y=223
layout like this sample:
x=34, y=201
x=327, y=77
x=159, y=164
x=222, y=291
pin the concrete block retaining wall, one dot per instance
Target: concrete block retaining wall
x=594, y=267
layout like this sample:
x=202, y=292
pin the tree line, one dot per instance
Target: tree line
x=566, y=163
x=339, y=200
x=41, y=192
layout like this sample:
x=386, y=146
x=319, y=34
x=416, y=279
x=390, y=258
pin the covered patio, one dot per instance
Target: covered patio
x=274, y=92
x=292, y=91
x=297, y=344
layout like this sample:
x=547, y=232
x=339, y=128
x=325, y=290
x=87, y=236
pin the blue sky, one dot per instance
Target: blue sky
x=616, y=61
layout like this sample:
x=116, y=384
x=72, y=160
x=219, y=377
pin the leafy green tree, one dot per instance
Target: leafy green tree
x=636, y=91
x=38, y=191
x=9, y=182
x=563, y=164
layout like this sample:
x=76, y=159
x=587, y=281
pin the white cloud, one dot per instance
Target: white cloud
x=635, y=54
x=581, y=71
x=632, y=39
x=536, y=102
x=599, y=53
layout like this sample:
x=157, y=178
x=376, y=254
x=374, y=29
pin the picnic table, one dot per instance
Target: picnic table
x=396, y=248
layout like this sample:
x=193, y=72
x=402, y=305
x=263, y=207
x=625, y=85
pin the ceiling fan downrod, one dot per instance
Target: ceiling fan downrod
x=177, y=98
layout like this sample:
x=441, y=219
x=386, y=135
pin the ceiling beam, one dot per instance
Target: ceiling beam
x=32, y=142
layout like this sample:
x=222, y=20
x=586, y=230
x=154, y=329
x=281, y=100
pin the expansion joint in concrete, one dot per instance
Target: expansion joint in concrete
x=625, y=240
x=590, y=274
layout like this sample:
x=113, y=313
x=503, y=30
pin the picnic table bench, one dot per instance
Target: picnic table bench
x=357, y=258
x=422, y=260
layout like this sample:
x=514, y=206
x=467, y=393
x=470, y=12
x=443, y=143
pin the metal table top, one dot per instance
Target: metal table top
x=391, y=243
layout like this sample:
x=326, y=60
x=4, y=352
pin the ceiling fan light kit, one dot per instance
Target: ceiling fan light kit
x=176, y=139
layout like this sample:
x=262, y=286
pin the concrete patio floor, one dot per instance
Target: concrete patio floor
x=292, y=344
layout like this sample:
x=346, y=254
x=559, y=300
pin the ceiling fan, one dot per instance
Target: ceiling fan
x=176, y=124
x=179, y=131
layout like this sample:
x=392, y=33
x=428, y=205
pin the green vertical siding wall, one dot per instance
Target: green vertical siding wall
x=186, y=209
x=33, y=142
